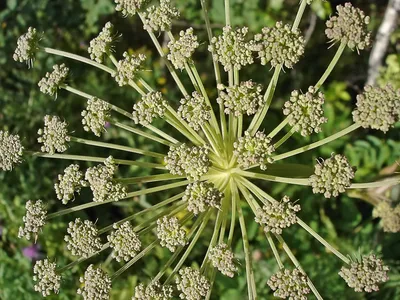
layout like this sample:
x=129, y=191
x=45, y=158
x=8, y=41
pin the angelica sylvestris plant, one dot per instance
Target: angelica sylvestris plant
x=212, y=164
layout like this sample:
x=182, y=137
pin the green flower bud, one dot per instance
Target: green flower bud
x=194, y=110
x=159, y=18
x=34, y=219
x=27, y=47
x=128, y=67
x=53, y=81
x=279, y=45
x=377, y=108
x=46, y=277
x=350, y=26
x=153, y=291
x=192, y=284
x=70, y=182
x=305, y=111
x=332, y=176
x=242, y=99
x=278, y=215
x=190, y=161
x=390, y=216
x=170, y=233
x=96, y=284
x=129, y=7
x=152, y=105
x=11, y=150
x=95, y=116
x=202, y=195
x=102, y=44
x=223, y=259
x=254, y=150
x=124, y=242
x=231, y=48
x=365, y=274
x=181, y=50
x=54, y=135
x=83, y=238
x=289, y=284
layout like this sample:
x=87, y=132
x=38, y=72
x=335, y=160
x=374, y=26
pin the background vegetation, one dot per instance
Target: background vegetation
x=70, y=24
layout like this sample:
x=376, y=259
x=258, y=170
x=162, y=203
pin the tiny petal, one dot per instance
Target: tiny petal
x=46, y=277
x=181, y=50
x=289, y=284
x=128, y=67
x=279, y=45
x=390, y=216
x=69, y=183
x=194, y=110
x=242, y=99
x=11, y=150
x=95, y=116
x=201, y=195
x=96, y=284
x=102, y=44
x=124, y=242
x=253, y=150
x=332, y=176
x=192, y=284
x=102, y=184
x=190, y=161
x=152, y=105
x=34, y=219
x=305, y=111
x=170, y=233
x=377, y=108
x=27, y=46
x=53, y=81
x=83, y=238
x=278, y=215
x=350, y=26
x=54, y=135
x=159, y=17
x=365, y=275
x=153, y=291
x=129, y=7
x=223, y=259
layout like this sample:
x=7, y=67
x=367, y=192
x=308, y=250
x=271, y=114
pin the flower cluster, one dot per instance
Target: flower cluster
x=201, y=195
x=27, y=46
x=153, y=291
x=305, y=112
x=128, y=68
x=244, y=98
x=190, y=161
x=377, y=108
x=95, y=116
x=124, y=241
x=54, y=135
x=170, y=233
x=96, y=284
x=152, y=105
x=350, y=27
x=364, y=275
x=390, y=216
x=129, y=7
x=231, y=48
x=69, y=183
x=54, y=80
x=277, y=215
x=289, y=284
x=11, y=150
x=181, y=50
x=102, y=44
x=192, y=284
x=279, y=45
x=34, y=219
x=332, y=176
x=194, y=110
x=223, y=259
x=46, y=277
x=159, y=17
x=83, y=239
x=100, y=179
x=254, y=150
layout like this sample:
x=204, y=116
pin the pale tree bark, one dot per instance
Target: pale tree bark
x=382, y=39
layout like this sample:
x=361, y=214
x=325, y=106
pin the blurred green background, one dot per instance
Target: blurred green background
x=69, y=25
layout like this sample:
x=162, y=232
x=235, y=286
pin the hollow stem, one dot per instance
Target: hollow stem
x=149, y=178
x=276, y=254
x=298, y=181
x=376, y=184
x=285, y=138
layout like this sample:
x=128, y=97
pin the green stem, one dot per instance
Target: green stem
x=335, y=59
x=163, y=134
x=149, y=178
x=227, y=13
x=299, y=15
x=278, y=128
x=298, y=181
x=116, y=147
x=285, y=138
x=317, y=144
x=146, y=85
x=276, y=254
x=376, y=184
x=235, y=200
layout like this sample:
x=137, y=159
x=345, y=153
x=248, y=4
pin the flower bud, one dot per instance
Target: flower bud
x=46, y=278
x=96, y=284
x=54, y=135
x=53, y=81
x=11, y=150
x=192, y=284
x=181, y=50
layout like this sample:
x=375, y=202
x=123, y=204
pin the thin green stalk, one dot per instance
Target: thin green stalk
x=298, y=181
x=284, y=138
x=317, y=144
x=190, y=247
x=116, y=147
x=146, y=85
x=225, y=208
x=213, y=240
x=299, y=15
x=211, y=280
x=133, y=260
x=335, y=59
x=235, y=200
x=278, y=128
x=322, y=241
x=297, y=265
x=96, y=159
x=276, y=254
x=137, y=88
x=376, y=184
x=211, y=140
x=227, y=13
x=78, y=58
x=149, y=178
x=163, y=134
